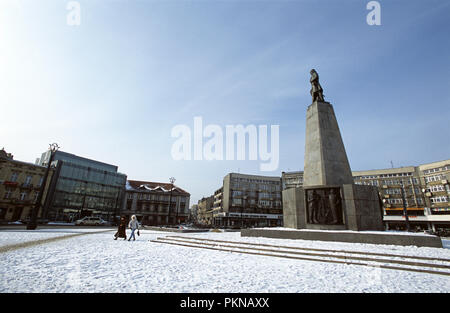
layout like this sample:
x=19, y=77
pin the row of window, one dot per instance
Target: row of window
x=263, y=203
x=393, y=191
x=435, y=178
x=24, y=196
x=251, y=180
x=265, y=187
x=253, y=194
x=90, y=188
x=293, y=180
x=28, y=179
x=398, y=191
x=436, y=188
x=437, y=169
x=439, y=199
x=408, y=202
x=160, y=208
x=399, y=182
x=62, y=199
x=155, y=197
x=75, y=171
x=384, y=176
x=368, y=183
x=388, y=182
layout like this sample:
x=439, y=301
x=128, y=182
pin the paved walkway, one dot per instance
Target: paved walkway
x=32, y=243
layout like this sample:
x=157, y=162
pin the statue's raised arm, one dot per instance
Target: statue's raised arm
x=316, y=89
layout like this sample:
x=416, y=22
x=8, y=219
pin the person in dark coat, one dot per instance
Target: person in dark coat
x=121, y=231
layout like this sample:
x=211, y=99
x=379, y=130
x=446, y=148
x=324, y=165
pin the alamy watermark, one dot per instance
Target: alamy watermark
x=208, y=143
x=74, y=16
x=374, y=16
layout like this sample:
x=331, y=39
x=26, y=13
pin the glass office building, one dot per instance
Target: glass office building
x=82, y=187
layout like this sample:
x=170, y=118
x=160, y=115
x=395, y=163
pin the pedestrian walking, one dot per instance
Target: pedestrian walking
x=133, y=225
x=121, y=231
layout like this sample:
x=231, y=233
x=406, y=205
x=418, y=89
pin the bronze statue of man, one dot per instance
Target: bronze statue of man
x=334, y=206
x=316, y=89
x=314, y=206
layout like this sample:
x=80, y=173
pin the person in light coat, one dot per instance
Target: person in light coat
x=133, y=225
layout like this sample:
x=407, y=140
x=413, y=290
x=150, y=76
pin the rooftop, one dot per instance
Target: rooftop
x=153, y=186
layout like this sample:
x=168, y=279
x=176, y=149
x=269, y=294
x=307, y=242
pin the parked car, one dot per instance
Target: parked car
x=16, y=223
x=90, y=221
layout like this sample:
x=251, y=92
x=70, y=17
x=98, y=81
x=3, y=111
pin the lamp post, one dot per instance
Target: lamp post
x=405, y=210
x=32, y=224
x=244, y=198
x=172, y=180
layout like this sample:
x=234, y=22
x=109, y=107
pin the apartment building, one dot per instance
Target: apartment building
x=20, y=184
x=217, y=207
x=204, y=206
x=149, y=201
x=398, y=187
x=435, y=179
x=248, y=201
x=193, y=213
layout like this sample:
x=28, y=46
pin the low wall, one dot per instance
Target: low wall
x=346, y=236
x=176, y=230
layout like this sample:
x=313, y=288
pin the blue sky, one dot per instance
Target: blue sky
x=112, y=88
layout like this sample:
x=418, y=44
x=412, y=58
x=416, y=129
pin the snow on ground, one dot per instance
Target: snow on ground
x=97, y=263
x=15, y=236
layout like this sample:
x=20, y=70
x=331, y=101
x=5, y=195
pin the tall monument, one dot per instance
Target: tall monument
x=328, y=198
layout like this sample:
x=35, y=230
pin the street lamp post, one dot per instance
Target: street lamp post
x=405, y=210
x=172, y=180
x=32, y=224
x=244, y=198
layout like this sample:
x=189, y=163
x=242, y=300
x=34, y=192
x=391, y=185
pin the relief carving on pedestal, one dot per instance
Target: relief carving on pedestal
x=324, y=206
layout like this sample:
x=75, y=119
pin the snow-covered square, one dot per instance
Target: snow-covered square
x=227, y=263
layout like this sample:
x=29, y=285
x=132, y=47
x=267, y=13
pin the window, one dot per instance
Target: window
x=14, y=176
x=28, y=180
x=237, y=193
x=237, y=201
x=23, y=196
x=8, y=193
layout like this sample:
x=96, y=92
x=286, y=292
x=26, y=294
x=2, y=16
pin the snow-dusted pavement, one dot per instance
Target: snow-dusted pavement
x=97, y=263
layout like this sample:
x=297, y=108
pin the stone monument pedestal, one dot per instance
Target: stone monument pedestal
x=359, y=210
x=329, y=200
